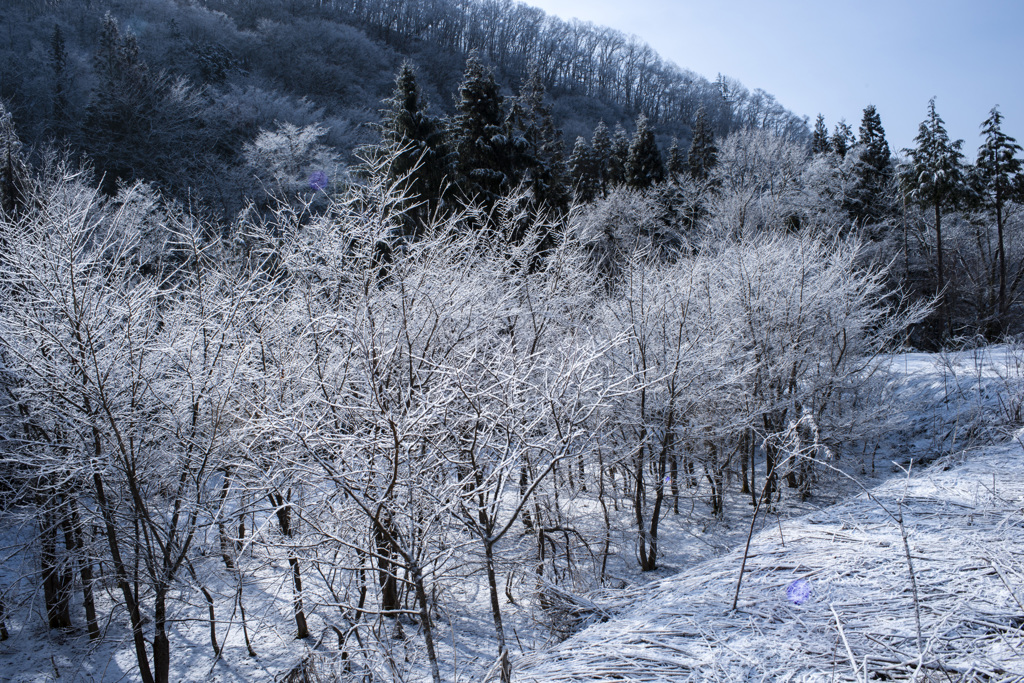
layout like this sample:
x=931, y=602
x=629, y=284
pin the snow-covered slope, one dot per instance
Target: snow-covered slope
x=964, y=522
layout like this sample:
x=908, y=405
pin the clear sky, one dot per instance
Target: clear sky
x=834, y=57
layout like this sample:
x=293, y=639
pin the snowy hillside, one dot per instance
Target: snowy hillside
x=959, y=618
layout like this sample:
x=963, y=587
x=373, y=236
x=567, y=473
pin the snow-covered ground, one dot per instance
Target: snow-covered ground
x=962, y=511
x=960, y=618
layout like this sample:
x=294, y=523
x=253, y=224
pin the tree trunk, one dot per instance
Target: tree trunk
x=161, y=644
x=121, y=574
x=283, y=509
x=387, y=568
x=941, y=274
x=499, y=629
x=1001, y=257
x=76, y=545
x=56, y=581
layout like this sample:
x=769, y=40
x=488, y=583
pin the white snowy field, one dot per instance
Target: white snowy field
x=963, y=514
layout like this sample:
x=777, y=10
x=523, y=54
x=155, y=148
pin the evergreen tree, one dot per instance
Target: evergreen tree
x=644, y=166
x=539, y=159
x=618, y=157
x=416, y=142
x=480, y=136
x=583, y=169
x=13, y=169
x=934, y=178
x=601, y=147
x=676, y=165
x=1000, y=180
x=842, y=139
x=139, y=125
x=872, y=171
x=703, y=156
x=59, y=66
x=819, y=139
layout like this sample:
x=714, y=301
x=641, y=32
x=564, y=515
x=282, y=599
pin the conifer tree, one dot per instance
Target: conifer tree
x=139, y=125
x=618, y=157
x=601, y=147
x=480, y=136
x=842, y=139
x=703, y=156
x=676, y=165
x=644, y=166
x=59, y=65
x=583, y=169
x=539, y=159
x=1000, y=180
x=872, y=171
x=819, y=139
x=934, y=178
x=13, y=169
x=416, y=141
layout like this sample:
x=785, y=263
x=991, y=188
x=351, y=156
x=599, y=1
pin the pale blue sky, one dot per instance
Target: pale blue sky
x=837, y=56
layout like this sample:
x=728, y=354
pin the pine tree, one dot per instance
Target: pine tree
x=644, y=166
x=934, y=178
x=59, y=65
x=1001, y=180
x=601, y=147
x=539, y=158
x=676, y=165
x=819, y=139
x=703, y=156
x=481, y=138
x=872, y=171
x=417, y=144
x=140, y=125
x=583, y=169
x=842, y=139
x=13, y=169
x=618, y=157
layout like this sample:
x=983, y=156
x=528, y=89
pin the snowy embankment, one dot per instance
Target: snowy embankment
x=964, y=521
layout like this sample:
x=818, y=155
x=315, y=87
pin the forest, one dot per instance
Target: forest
x=375, y=361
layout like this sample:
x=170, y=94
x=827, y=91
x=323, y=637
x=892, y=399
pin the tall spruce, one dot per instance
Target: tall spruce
x=619, y=156
x=539, y=157
x=842, y=139
x=819, y=138
x=480, y=136
x=1000, y=180
x=583, y=169
x=872, y=171
x=13, y=169
x=676, y=165
x=703, y=156
x=934, y=178
x=59, y=65
x=644, y=165
x=601, y=147
x=140, y=125
x=416, y=142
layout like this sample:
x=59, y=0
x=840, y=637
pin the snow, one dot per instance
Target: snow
x=963, y=514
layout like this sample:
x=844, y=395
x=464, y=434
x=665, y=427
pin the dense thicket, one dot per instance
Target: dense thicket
x=314, y=401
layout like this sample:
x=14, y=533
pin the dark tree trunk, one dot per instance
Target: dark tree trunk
x=76, y=545
x=56, y=578
x=283, y=509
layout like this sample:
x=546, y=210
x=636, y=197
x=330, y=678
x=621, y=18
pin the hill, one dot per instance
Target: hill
x=174, y=96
